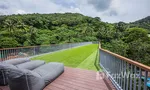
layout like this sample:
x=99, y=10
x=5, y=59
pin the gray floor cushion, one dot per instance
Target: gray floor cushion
x=22, y=79
x=31, y=65
x=26, y=65
x=3, y=77
x=50, y=71
x=16, y=61
x=8, y=63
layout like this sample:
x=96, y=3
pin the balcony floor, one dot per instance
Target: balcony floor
x=78, y=79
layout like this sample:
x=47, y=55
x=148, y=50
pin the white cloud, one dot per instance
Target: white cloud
x=118, y=10
x=20, y=12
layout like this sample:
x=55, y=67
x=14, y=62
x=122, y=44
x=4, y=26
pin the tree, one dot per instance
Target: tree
x=119, y=47
x=106, y=33
x=98, y=18
x=8, y=42
x=32, y=36
x=139, y=51
x=139, y=46
x=133, y=34
x=43, y=39
x=119, y=29
x=9, y=24
x=21, y=25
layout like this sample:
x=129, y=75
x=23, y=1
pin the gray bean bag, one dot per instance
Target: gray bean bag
x=26, y=65
x=19, y=79
x=17, y=61
x=50, y=71
x=31, y=65
x=3, y=77
x=7, y=63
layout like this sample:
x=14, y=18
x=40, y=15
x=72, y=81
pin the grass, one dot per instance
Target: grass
x=90, y=62
x=83, y=57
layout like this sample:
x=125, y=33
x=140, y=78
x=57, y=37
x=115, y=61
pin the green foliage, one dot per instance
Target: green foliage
x=43, y=39
x=39, y=29
x=119, y=47
x=87, y=38
x=106, y=33
x=6, y=42
x=133, y=34
x=133, y=43
x=139, y=51
x=139, y=46
x=143, y=23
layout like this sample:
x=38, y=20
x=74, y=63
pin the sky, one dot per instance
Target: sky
x=108, y=10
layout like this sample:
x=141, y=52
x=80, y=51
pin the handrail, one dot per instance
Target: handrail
x=35, y=46
x=22, y=47
x=145, y=67
x=11, y=53
x=131, y=73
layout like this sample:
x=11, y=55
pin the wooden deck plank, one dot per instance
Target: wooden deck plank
x=77, y=79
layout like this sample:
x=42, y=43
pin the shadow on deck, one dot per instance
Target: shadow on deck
x=78, y=79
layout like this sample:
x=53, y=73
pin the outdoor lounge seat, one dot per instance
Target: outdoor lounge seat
x=37, y=79
x=50, y=71
x=11, y=62
x=27, y=65
x=22, y=79
x=3, y=77
x=22, y=63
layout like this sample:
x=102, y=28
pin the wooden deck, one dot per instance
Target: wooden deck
x=78, y=79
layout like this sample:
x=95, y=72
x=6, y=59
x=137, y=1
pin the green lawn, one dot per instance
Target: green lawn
x=82, y=57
